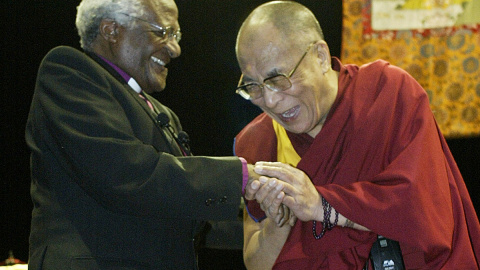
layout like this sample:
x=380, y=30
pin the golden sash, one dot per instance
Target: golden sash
x=285, y=151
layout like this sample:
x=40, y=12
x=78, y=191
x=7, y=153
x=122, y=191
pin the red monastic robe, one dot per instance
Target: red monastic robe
x=381, y=161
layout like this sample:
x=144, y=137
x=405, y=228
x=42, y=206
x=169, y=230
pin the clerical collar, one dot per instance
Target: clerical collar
x=128, y=79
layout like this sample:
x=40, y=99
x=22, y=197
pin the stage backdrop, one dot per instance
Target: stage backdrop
x=437, y=42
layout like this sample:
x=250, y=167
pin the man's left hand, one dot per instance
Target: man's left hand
x=301, y=196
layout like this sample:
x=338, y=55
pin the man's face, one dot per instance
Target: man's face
x=301, y=108
x=140, y=51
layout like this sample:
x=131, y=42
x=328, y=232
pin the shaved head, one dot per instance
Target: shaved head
x=295, y=25
x=279, y=41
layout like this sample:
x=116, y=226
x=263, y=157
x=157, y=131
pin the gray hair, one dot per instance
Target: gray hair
x=90, y=14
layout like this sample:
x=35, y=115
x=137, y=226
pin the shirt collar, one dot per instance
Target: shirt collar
x=128, y=79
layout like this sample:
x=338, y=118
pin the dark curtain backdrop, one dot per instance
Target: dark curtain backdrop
x=200, y=89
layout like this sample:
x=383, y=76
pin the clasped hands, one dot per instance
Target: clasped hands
x=284, y=193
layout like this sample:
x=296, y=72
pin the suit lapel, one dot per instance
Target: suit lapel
x=158, y=108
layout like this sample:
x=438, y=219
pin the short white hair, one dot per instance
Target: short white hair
x=90, y=14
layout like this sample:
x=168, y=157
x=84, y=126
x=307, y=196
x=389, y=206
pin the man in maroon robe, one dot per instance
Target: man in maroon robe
x=372, y=160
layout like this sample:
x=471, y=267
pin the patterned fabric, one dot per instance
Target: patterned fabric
x=445, y=61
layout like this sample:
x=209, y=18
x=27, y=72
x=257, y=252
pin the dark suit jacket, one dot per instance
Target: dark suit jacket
x=110, y=188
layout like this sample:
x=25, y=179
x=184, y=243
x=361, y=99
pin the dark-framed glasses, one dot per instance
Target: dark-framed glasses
x=164, y=33
x=277, y=83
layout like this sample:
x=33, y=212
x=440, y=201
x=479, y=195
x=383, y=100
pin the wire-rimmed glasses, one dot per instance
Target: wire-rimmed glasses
x=164, y=33
x=279, y=82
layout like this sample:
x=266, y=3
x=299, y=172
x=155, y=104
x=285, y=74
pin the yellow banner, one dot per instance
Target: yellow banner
x=445, y=61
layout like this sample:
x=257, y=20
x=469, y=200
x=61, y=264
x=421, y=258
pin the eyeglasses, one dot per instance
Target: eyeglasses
x=277, y=83
x=164, y=33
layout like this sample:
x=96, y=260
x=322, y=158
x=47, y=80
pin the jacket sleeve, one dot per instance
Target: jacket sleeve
x=101, y=139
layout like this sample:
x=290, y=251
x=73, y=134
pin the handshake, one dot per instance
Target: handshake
x=284, y=193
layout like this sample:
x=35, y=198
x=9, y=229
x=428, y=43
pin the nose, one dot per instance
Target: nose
x=271, y=97
x=173, y=48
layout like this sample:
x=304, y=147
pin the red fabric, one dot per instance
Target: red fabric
x=381, y=161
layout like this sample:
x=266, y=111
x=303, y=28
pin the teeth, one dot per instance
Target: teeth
x=289, y=113
x=158, y=61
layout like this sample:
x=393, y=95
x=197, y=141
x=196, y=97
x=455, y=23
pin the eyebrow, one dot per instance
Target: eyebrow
x=271, y=73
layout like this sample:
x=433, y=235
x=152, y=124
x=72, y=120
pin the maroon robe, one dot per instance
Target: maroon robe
x=381, y=161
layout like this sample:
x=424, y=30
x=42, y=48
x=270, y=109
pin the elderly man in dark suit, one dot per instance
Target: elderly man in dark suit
x=113, y=185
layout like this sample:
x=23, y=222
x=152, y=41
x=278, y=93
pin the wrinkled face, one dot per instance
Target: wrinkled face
x=301, y=108
x=140, y=51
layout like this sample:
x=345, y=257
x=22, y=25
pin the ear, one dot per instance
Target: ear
x=323, y=54
x=109, y=30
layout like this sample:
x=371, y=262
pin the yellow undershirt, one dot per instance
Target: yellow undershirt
x=285, y=151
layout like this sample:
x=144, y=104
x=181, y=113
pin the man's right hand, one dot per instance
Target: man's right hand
x=253, y=183
x=268, y=192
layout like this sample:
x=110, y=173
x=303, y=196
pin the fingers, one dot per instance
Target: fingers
x=273, y=164
x=251, y=189
x=278, y=170
x=270, y=196
x=292, y=219
x=280, y=218
x=290, y=202
x=283, y=216
x=288, y=217
x=269, y=191
x=289, y=189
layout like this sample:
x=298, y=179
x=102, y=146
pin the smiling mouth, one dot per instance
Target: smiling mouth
x=290, y=114
x=158, y=61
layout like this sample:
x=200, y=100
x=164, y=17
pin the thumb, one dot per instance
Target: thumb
x=251, y=190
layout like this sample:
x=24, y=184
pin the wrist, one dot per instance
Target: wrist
x=326, y=223
x=318, y=213
x=348, y=223
x=244, y=174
